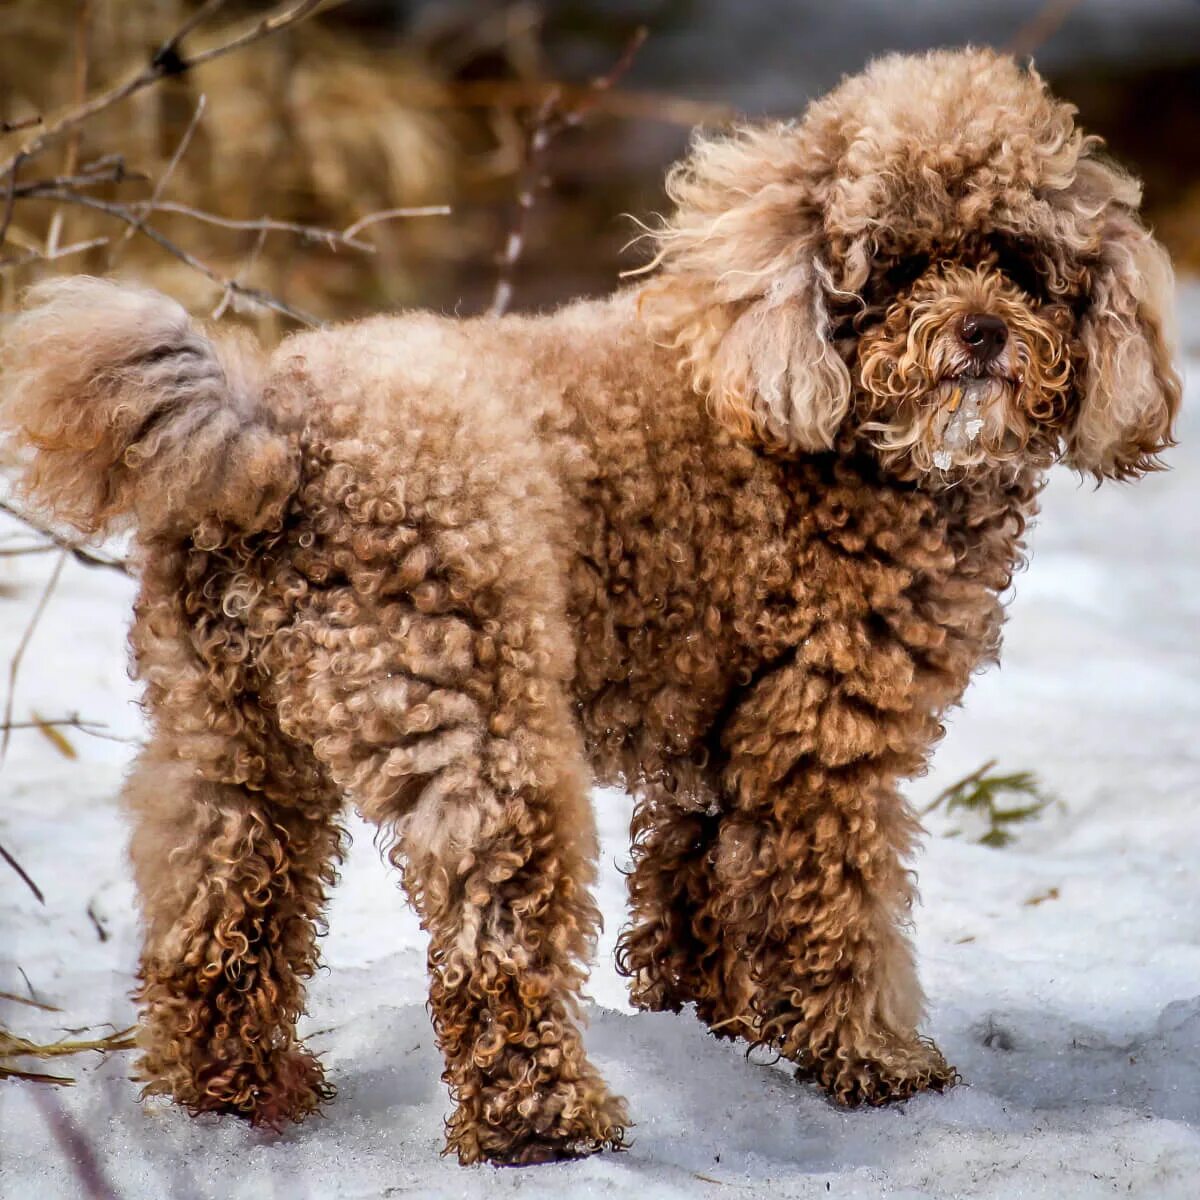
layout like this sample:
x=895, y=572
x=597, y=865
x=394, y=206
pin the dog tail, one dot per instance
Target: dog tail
x=127, y=412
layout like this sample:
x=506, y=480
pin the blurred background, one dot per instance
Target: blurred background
x=375, y=104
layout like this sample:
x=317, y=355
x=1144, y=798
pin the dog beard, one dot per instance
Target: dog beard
x=930, y=408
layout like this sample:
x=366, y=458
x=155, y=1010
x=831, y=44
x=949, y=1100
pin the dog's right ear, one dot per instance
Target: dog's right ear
x=743, y=290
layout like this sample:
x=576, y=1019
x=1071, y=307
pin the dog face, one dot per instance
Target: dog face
x=934, y=262
x=958, y=364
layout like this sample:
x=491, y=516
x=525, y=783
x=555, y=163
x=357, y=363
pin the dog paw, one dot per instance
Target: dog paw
x=537, y=1134
x=285, y=1087
x=889, y=1073
x=295, y=1089
x=535, y=1151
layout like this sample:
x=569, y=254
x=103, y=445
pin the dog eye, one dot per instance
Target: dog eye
x=907, y=270
x=1020, y=271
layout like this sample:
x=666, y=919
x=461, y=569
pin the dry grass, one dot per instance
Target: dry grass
x=14, y=1048
x=308, y=126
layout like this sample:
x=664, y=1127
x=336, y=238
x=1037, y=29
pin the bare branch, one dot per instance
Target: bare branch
x=552, y=117
x=170, y=47
x=13, y=998
x=81, y=555
x=605, y=83
x=243, y=271
x=21, y=123
x=111, y=169
x=127, y=214
x=14, y=666
x=310, y=233
x=20, y=870
x=1041, y=27
x=148, y=207
x=96, y=729
x=626, y=104
x=390, y=214
x=167, y=61
x=97, y=924
x=10, y=199
x=32, y=256
x=265, y=27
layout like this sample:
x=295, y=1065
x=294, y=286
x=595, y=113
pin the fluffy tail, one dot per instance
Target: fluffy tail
x=132, y=413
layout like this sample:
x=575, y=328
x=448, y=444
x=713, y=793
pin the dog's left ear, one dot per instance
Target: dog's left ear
x=1129, y=389
x=743, y=291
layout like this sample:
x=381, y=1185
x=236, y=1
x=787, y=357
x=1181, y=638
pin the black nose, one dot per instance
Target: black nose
x=985, y=334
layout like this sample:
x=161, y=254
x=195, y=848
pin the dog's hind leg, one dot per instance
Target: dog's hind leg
x=231, y=881
x=670, y=950
x=456, y=736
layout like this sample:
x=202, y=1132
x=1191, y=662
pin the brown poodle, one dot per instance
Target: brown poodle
x=735, y=537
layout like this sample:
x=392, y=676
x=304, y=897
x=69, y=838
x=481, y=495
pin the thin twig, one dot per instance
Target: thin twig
x=957, y=786
x=20, y=870
x=13, y=998
x=126, y=214
x=14, y=666
x=21, y=123
x=243, y=271
x=171, y=45
x=1041, y=27
x=81, y=555
x=625, y=104
x=35, y=1076
x=146, y=208
x=96, y=729
x=265, y=27
x=606, y=82
x=166, y=61
x=32, y=990
x=551, y=118
x=32, y=256
x=97, y=924
x=10, y=199
x=310, y=233
x=110, y=168
x=530, y=182
x=83, y=23
x=388, y=214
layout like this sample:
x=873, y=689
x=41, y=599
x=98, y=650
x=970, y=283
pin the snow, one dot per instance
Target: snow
x=1074, y=1020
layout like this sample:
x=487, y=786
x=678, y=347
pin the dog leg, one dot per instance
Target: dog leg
x=815, y=899
x=460, y=743
x=501, y=883
x=231, y=887
x=668, y=950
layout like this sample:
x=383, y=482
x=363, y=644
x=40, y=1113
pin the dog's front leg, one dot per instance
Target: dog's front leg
x=811, y=890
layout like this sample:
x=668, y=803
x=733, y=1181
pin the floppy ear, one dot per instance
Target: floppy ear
x=1129, y=389
x=743, y=291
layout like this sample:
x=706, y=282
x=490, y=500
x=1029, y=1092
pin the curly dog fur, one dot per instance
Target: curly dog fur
x=735, y=537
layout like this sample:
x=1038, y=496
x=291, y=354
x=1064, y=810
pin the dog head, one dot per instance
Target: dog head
x=936, y=261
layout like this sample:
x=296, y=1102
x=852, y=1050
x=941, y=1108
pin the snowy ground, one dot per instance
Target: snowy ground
x=1074, y=1020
